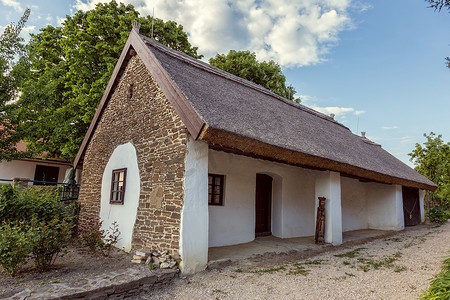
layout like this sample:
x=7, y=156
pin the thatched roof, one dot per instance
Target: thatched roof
x=235, y=115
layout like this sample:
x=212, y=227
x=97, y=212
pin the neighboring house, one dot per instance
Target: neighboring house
x=185, y=156
x=53, y=170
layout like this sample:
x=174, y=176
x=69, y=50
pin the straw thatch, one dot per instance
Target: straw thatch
x=235, y=115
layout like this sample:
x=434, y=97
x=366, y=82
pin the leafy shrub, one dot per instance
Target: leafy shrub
x=48, y=239
x=440, y=285
x=97, y=239
x=14, y=247
x=45, y=226
x=23, y=205
x=438, y=215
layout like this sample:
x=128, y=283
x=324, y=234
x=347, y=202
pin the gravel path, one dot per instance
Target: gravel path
x=396, y=267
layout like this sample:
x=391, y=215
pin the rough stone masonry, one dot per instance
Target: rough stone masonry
x=138, y=112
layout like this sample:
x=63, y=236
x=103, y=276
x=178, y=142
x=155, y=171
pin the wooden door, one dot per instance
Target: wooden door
x=46, y=173
x=263, y=205
x=411, y=206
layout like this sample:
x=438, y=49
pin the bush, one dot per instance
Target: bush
x=440, y=285
x=97, y=239
x=36, y=202
x=44, y=230
x=48, y=239
x=14, y=247
x=438, y=215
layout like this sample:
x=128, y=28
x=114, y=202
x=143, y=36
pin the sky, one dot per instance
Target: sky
x=379, y=66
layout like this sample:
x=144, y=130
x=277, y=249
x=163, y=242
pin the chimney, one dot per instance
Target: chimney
x=136, y=26
x=332, y=116
x=363, y=134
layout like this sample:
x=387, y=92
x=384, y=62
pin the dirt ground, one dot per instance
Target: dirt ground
x=395, y=266
x=78, y=263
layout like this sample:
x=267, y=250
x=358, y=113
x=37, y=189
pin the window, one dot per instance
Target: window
x=118, y=182
x=215, y=189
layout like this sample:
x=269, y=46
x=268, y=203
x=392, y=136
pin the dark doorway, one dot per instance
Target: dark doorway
x=263, y=205
x=46, y=173
x=411, y=206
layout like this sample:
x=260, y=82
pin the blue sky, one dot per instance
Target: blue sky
x=378, y=65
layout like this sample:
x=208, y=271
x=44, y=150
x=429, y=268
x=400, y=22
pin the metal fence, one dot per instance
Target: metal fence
x=66, y=192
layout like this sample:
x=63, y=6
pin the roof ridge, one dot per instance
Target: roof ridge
x=207, y=67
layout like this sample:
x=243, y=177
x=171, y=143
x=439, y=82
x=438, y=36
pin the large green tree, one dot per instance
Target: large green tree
x=433, y=161
x=14, y=70
x=439, y=5
x=71, y=67
x=267, y=74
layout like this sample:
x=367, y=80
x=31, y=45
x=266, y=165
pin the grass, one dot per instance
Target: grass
x=440, y=285
x=270, y=270
x=351, y=254
x=313, y=262
x=366, y=264
x=299, y=270
x=396, y=239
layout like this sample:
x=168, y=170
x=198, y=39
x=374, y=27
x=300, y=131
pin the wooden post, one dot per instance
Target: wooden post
x=320, y=222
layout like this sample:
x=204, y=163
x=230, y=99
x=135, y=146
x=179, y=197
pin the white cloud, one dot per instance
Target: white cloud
x=406, y=139
x=14, y=4
x=337, y=111
x=25, y=33
x=389, y=127
x=293, y=33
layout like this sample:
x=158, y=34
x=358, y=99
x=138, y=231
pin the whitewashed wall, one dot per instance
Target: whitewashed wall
x=354, y=204
x=27, y=168
x=362, y=205
x=124, y=156
x=194, y=215
x=385, y=206
x=292, y=199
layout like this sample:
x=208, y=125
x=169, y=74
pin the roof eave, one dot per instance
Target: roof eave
x=234, y=143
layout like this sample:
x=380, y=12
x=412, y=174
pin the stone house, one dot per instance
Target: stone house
x=185, y=156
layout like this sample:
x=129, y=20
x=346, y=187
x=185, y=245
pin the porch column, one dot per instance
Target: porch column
x=422, y=205
x=194, y=215
x=328, y=185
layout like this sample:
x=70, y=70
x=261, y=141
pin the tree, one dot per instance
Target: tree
x=433, y=161
x=71, y=67
x=267, y=74
x=439, y=5
x=14, y=70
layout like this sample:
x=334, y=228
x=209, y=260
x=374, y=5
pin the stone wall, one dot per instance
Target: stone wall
x=138, y=112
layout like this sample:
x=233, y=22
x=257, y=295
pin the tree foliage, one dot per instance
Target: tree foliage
x=433, y=161
x=267, y=74
x=439, y=5
x=14, y=70
x=71, y=67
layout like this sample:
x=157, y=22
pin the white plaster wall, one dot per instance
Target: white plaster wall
x=422, y=205
x=27, y=168
x=292, y=199
x=194, y=215
x=353, y=202
x=385, y=206
x=124, y=156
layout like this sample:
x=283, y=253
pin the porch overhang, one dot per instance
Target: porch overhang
x=234, y=143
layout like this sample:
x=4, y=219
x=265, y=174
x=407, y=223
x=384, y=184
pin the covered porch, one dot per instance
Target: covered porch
x=273, y=244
